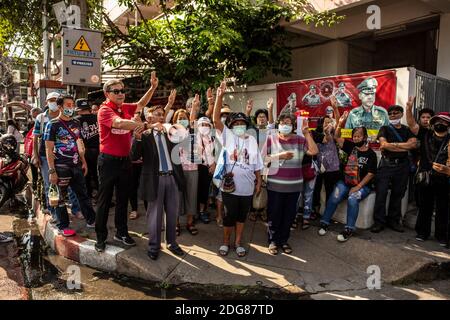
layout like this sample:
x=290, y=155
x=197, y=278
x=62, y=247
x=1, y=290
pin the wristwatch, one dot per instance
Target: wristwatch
x=51, y=171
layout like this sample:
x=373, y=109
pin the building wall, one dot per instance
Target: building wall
x=443, y=69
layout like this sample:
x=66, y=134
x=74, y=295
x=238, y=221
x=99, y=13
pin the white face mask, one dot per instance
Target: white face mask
x=53, y=106
x=395, y=122
x=204, y=130
x=223, y=119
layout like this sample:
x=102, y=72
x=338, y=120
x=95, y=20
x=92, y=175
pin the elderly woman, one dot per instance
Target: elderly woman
x=189, y=157
x=243, y=164
x=285, y=151
x=359, y=173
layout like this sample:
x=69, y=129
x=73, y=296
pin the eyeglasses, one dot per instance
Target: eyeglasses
x=118, y=91
x=394, y=113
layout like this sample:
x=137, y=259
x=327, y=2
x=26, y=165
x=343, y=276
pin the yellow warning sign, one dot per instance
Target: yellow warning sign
x=82, y=45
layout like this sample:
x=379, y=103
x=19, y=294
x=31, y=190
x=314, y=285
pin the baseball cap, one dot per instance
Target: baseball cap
x=441, y=116
x=82, y=104
x=395, y=108
x=52, y=95
x=239, y=116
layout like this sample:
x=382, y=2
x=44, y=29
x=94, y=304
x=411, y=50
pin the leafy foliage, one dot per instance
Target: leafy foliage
x=193, y=45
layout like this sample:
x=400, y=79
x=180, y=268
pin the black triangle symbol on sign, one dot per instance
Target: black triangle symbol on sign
x=82, y=45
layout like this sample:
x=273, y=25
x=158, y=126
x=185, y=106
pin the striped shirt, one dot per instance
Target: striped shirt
x=286, y=175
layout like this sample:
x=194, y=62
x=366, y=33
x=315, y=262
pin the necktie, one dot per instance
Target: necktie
x=162, y=155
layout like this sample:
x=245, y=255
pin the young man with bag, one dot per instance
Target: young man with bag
x=66, y=162
x=396, y=140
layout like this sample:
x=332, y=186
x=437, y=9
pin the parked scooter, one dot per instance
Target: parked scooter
x=13, y=170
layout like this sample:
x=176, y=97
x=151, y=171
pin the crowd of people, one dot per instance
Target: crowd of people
x=182, y=161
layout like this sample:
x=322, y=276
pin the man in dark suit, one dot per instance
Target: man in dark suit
x=161, y=181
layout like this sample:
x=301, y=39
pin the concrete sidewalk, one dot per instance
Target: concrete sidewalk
x=318, y=264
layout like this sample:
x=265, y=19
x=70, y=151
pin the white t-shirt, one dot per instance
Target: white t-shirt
x=248, y=161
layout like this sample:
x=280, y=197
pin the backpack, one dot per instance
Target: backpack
x=351, y=170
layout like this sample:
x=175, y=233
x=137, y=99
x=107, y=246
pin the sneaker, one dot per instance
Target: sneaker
x=5, y=238
x=442, y=244
x=100, y=246
x=204, y=217
x=176, y=250
x=126, y=240
x=420, y=238
x=344, y=235
x=396, y=227
x=67, y=232
x=323, y=229
x=377, y=228
x=90, y=225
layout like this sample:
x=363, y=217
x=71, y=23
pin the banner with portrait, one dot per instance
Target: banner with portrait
x=365, y=95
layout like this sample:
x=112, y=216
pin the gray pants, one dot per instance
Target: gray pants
x=166, y=201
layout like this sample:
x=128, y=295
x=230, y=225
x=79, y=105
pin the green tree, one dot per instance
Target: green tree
x=196, y=44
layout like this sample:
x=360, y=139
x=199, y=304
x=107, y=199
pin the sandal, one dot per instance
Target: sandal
x=240, y=251
x=273, y=249
x=133, y=215
x=178, y=230
x=223, y=250
x=286, y=248
x=192, y=229
x=306, y=224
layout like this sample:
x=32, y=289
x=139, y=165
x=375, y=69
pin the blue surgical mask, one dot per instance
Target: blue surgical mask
x=184, y=122
x=239, y=130
x=285, y=128
x=68, y=112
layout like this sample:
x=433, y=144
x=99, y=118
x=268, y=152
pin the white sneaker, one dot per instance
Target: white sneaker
x=4, y=238
x=323, y=229
x=90, y=226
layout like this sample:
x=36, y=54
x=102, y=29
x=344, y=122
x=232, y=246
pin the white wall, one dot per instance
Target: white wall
x=443, y=67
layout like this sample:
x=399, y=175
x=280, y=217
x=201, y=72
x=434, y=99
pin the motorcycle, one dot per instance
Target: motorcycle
x=13, y=175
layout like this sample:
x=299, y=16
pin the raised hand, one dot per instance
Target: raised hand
x=333, y=101
x=221, y=90
x=305, y=126
x=410, y=103
x=172, y=97
x=153, y=79
x=249, y=107
x=209, y=96
x=343, y=119
x=270, y=104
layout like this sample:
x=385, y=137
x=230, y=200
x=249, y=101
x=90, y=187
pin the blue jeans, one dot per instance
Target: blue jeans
x=72, y=197
x=341, y=192
x=306, y=198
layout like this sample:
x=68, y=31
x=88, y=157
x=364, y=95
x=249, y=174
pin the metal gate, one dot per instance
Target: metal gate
x=432, y=92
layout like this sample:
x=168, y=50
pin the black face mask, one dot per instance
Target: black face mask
x=360, y=144
x=440, y=128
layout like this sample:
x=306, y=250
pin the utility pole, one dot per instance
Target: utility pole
x=45, y=40
x=80, y=91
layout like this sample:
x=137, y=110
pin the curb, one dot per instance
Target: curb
x=76, y=248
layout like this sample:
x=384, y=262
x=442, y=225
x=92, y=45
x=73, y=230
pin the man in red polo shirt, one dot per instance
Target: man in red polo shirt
x=115, y=129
